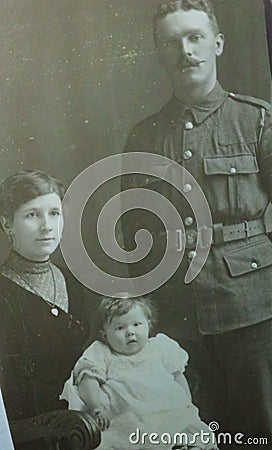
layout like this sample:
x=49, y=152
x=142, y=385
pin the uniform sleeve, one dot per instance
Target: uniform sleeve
x=144, y=138
x=93, y=363
x=174, y=358
x=265, y=151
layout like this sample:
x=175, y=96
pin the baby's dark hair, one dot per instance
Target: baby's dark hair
x=121, y=304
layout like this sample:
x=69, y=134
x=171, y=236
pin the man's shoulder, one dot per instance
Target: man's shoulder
x=153, y=120
x=249, y=100
x=148, y=131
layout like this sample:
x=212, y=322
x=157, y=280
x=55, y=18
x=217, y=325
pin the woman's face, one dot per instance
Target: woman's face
x=37, y=227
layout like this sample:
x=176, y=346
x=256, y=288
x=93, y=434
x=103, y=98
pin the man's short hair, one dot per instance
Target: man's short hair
x=169, y=7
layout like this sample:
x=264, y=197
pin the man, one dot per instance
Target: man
x=224, y=140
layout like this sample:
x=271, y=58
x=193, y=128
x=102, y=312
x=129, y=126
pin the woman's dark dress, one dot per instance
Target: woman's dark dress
x=37, y=349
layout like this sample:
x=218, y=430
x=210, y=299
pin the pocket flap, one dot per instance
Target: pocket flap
x=249, y=259
x=231, y=165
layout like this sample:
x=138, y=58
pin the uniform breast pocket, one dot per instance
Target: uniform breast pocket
x=231, y=180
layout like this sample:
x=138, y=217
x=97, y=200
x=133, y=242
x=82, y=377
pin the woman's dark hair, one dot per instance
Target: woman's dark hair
x=23, y=186
x=118, y=306
x=169, y=7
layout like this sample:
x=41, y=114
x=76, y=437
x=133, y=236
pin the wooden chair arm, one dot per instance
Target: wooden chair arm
x=77, y=429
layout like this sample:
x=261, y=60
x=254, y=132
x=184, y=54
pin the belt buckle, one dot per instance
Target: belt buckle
x=246, y=228
x=191, y=238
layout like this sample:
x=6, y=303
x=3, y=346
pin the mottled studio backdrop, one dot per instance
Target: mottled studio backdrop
x=76, y=75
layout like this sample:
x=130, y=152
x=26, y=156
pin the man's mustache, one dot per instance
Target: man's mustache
x=188, y=62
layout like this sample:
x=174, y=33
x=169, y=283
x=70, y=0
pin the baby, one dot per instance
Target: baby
x=134, y=386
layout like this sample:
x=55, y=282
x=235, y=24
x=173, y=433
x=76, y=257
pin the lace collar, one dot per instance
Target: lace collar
x=21, y=264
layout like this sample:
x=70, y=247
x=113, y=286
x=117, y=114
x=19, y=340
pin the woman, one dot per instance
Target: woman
x=42, y=316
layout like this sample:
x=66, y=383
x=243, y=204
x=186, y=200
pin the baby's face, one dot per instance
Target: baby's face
x=127, y=334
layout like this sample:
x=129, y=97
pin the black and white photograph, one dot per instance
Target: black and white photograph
x=135, y=224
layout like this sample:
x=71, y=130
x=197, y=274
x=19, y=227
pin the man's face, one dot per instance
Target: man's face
x=188, y=48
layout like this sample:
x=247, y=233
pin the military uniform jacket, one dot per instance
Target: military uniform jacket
x=226, y=144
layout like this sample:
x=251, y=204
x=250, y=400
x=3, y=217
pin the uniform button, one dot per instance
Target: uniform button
x=187, y=154
x=189, y=126
x=254, y=265
x=187, y=188
x=233, y=170
x=188, y=221
x=192, y=254
x=191, y=238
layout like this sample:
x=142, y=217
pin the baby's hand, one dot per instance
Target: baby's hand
x=102, y=417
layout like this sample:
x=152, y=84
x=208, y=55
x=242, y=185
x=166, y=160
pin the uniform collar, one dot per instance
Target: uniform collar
x=177, y=111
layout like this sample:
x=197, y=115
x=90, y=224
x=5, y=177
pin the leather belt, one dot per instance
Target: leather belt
x=227, y=233
x=224, y=233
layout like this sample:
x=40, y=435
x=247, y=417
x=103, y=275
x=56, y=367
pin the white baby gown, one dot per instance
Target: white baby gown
x=141, y=393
